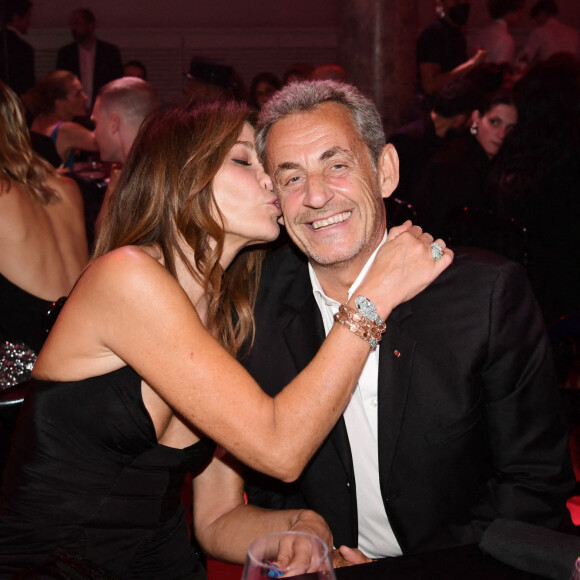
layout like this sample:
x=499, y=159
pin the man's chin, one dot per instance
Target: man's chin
x=330, y=257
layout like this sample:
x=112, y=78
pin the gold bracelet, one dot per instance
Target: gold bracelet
x=369, y=331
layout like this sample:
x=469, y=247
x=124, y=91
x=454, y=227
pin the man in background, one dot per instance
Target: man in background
x=417, y=141
x=120, y=108
x=549, y=37
x=94, y=61
x=16, y=54
x=495, y=38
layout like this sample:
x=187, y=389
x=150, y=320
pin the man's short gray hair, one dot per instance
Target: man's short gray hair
x=306, y=96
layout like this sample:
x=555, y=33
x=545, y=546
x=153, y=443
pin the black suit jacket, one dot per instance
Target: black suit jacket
x=469, y=416
x=20, y=67
x=108, y=64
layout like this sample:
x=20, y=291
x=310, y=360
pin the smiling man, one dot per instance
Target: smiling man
x=455, y=419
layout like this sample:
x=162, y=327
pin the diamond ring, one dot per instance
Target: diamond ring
x=436, y=250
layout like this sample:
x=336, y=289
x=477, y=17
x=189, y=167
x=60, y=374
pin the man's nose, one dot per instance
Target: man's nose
x=317, y=192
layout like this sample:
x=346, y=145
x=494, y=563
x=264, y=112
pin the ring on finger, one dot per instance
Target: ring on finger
x=436, y=250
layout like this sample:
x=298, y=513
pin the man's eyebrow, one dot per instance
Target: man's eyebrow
x=330, y=153
x=286, y=166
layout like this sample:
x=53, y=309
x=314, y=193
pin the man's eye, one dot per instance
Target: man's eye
x=242, y=162
x=292, y=180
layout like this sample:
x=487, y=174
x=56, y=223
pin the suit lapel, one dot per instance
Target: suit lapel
x=395, y=365
x=304, y=333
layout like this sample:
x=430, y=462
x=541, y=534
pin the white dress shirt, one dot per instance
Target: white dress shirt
x=375, y=535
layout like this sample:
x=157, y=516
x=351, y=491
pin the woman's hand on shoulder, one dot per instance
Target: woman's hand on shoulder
x=404, y=266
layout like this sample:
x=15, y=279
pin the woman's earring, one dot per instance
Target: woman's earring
x=473, y=129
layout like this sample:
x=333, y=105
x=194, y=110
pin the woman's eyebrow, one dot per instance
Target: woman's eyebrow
x=247, y=144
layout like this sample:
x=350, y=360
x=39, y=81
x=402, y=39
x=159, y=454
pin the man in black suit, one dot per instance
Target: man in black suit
x=456, y=417
x=94, y=61
x=418, y=141
x=17, y=55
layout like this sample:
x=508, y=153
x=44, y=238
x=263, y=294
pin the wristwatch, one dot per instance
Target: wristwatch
x=366, y=308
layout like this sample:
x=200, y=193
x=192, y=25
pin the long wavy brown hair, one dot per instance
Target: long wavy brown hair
x=18, y=162
x=165, y=194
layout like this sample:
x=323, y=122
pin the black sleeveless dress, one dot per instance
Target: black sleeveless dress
x=22, y=332
x=21, y=315
x=86, y=475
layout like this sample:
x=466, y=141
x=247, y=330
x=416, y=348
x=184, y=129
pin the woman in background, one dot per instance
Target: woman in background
x=53, y=104
x=43, y=246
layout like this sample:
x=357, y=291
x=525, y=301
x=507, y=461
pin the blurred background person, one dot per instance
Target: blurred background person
x=16, y=54
x=456, y=175
x=119, y=110
x=442, y=53
x=495, y=38
x=299, y=71
x=329, y=72
x=208, y=81
x=418, y=141
x=56, y=100
x=263, y=86
x=536, y=181
x=135, y=68
x=94, y=61
x=43, y=246
x=549, y=36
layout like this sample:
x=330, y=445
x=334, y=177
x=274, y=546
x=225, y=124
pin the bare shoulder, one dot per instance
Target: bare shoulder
x=66, y=188
x=127, y=275
x=121, y=300
x=127, y=263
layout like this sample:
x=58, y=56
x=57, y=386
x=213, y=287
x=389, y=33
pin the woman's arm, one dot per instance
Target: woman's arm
x=128, y=307
x=73, y=136
x=225, y=526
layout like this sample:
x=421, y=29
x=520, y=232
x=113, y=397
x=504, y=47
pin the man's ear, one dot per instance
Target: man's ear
x=388, y=170
x=114, y=123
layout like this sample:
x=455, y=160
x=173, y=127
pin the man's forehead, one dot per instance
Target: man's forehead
x=329, y=113
x=329, y=122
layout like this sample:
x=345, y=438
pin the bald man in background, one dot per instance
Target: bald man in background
x=120, y=108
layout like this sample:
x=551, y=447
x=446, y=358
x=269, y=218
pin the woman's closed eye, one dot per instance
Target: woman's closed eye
x=243, y=162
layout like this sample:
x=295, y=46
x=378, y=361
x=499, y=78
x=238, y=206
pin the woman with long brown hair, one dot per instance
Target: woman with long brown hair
x=43, y=245
x=136, y=380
